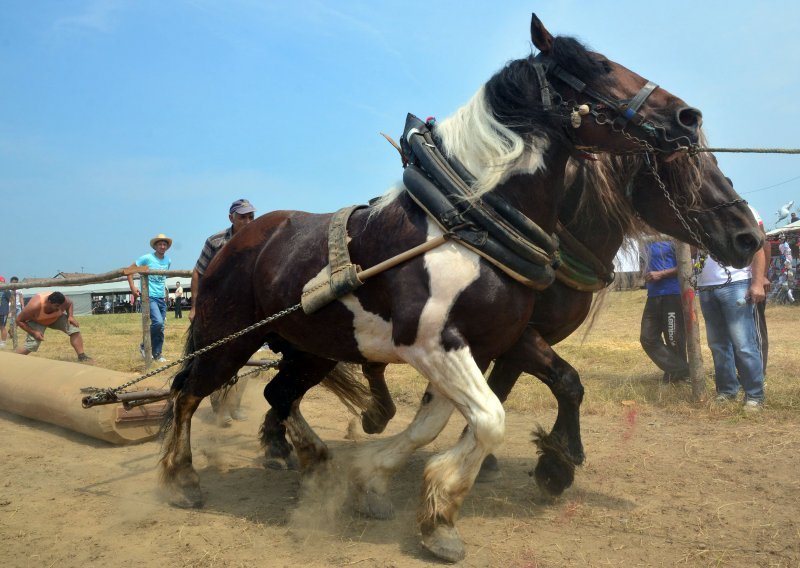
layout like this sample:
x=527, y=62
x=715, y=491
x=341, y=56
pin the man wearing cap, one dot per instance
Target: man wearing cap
x=241, y=212
x=158, y=293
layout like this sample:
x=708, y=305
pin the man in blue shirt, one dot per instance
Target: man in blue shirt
x=158, y=293
x=663, y=335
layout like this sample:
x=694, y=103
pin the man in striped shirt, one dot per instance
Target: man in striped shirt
x=225, y=404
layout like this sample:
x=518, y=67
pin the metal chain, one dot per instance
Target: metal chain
x=108, y=393
x=651, y=161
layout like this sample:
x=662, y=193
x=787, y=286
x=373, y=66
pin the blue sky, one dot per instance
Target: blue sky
x=123, y=119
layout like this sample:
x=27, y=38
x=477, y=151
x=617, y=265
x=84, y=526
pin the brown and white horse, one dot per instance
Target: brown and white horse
x=447, y=313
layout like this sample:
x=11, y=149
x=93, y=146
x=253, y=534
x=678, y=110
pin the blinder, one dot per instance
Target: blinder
x=627, y=111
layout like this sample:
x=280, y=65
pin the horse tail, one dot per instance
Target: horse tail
x=178, y=382
x=346, y=382
x=188, y=348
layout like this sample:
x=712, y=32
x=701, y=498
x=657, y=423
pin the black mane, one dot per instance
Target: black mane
x=513, y=93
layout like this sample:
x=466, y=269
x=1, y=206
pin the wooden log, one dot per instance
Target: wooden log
x=49, y=391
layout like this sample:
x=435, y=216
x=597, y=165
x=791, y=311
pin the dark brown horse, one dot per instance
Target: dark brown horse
x=605, y=200
x=447, y=313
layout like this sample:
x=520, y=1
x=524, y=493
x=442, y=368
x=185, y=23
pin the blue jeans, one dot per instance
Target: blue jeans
x=158, y=311
x=731, y=332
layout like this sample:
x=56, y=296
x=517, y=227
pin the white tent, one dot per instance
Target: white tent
x=115, y=295
x=791, y=228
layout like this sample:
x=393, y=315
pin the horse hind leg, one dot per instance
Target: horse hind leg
x=178, y=477
x=382, y=409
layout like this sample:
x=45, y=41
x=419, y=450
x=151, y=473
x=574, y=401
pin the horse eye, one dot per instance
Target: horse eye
x=606, y=66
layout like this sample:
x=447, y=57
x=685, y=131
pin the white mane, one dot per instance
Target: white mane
x=490, y=150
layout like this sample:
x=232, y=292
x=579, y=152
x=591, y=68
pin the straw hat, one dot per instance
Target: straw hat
x=160, y=237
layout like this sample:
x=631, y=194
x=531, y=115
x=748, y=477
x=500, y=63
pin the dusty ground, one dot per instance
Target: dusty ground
x=657, y=490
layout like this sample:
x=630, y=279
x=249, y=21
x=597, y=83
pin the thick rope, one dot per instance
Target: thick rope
x=692, y=150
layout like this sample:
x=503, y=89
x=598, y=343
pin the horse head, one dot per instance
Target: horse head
x=693, y=201
x=608, y=106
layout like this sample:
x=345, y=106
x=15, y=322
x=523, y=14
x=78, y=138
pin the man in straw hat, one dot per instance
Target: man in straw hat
x=226, y=404
x=158, y=292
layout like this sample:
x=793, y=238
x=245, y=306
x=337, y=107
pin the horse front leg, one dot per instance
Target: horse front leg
x=449, y=476
x=178, y=477
x=562, y=449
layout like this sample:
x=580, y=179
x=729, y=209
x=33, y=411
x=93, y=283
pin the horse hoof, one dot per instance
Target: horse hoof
x=289, y=463
x=490, y=470
x=374, y=505
x=372, y=424
x=445, y=543
x=186, y=498
x=553, y=475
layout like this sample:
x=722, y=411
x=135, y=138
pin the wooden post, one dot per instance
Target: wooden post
x=689, y=301
x=148, y=347
x=12, y=315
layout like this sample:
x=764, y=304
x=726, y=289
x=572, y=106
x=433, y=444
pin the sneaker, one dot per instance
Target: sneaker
x=723, y=398
x=2, y=344
x=84, y=358
x=752, y=405
x=161, y=360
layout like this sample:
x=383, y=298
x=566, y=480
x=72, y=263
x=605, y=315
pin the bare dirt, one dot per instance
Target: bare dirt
x=658, y=489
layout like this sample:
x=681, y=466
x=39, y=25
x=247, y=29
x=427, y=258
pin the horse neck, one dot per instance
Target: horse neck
x=598, y=234
x=538, y=195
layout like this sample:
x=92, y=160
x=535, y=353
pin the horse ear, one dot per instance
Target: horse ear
x=540, y=37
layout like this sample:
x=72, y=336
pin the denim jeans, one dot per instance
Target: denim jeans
x=731, y=332
x=158, y=311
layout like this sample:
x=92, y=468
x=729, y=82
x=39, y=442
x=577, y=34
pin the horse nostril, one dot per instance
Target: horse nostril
x=690, y=117
x=748, y=241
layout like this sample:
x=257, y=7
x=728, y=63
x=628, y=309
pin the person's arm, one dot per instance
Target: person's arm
x=134, y=290
x=656, y=275
x=757, y=277
x=767, y=248
x=26, y=315
x=194, y=287
x=67, y=307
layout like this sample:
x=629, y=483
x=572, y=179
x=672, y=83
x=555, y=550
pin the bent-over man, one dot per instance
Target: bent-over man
x=53, y=310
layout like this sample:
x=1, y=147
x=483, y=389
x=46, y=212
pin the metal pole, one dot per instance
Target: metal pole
x=689, y=301
x=148, y=347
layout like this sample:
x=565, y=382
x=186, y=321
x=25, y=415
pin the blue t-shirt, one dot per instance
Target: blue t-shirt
x=662, y=257
x=156, y=282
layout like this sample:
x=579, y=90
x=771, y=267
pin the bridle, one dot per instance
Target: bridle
x=619, y=114
x=604, y=109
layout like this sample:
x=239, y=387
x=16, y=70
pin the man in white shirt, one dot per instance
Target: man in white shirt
x=727, y=298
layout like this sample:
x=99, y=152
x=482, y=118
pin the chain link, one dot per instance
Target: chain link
x=698, y=241
x=108, y=394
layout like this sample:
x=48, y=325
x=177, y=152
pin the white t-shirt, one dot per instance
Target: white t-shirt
x=714, y=274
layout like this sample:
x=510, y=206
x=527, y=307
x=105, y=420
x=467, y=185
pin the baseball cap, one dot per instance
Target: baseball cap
x=242, y=206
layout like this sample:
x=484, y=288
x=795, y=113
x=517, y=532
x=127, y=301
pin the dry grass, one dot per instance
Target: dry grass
x=611, y=362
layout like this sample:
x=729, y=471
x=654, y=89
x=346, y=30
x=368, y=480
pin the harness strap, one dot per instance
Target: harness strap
x=342, y=274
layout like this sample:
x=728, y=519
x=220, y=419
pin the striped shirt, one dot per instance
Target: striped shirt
x=211, y=248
